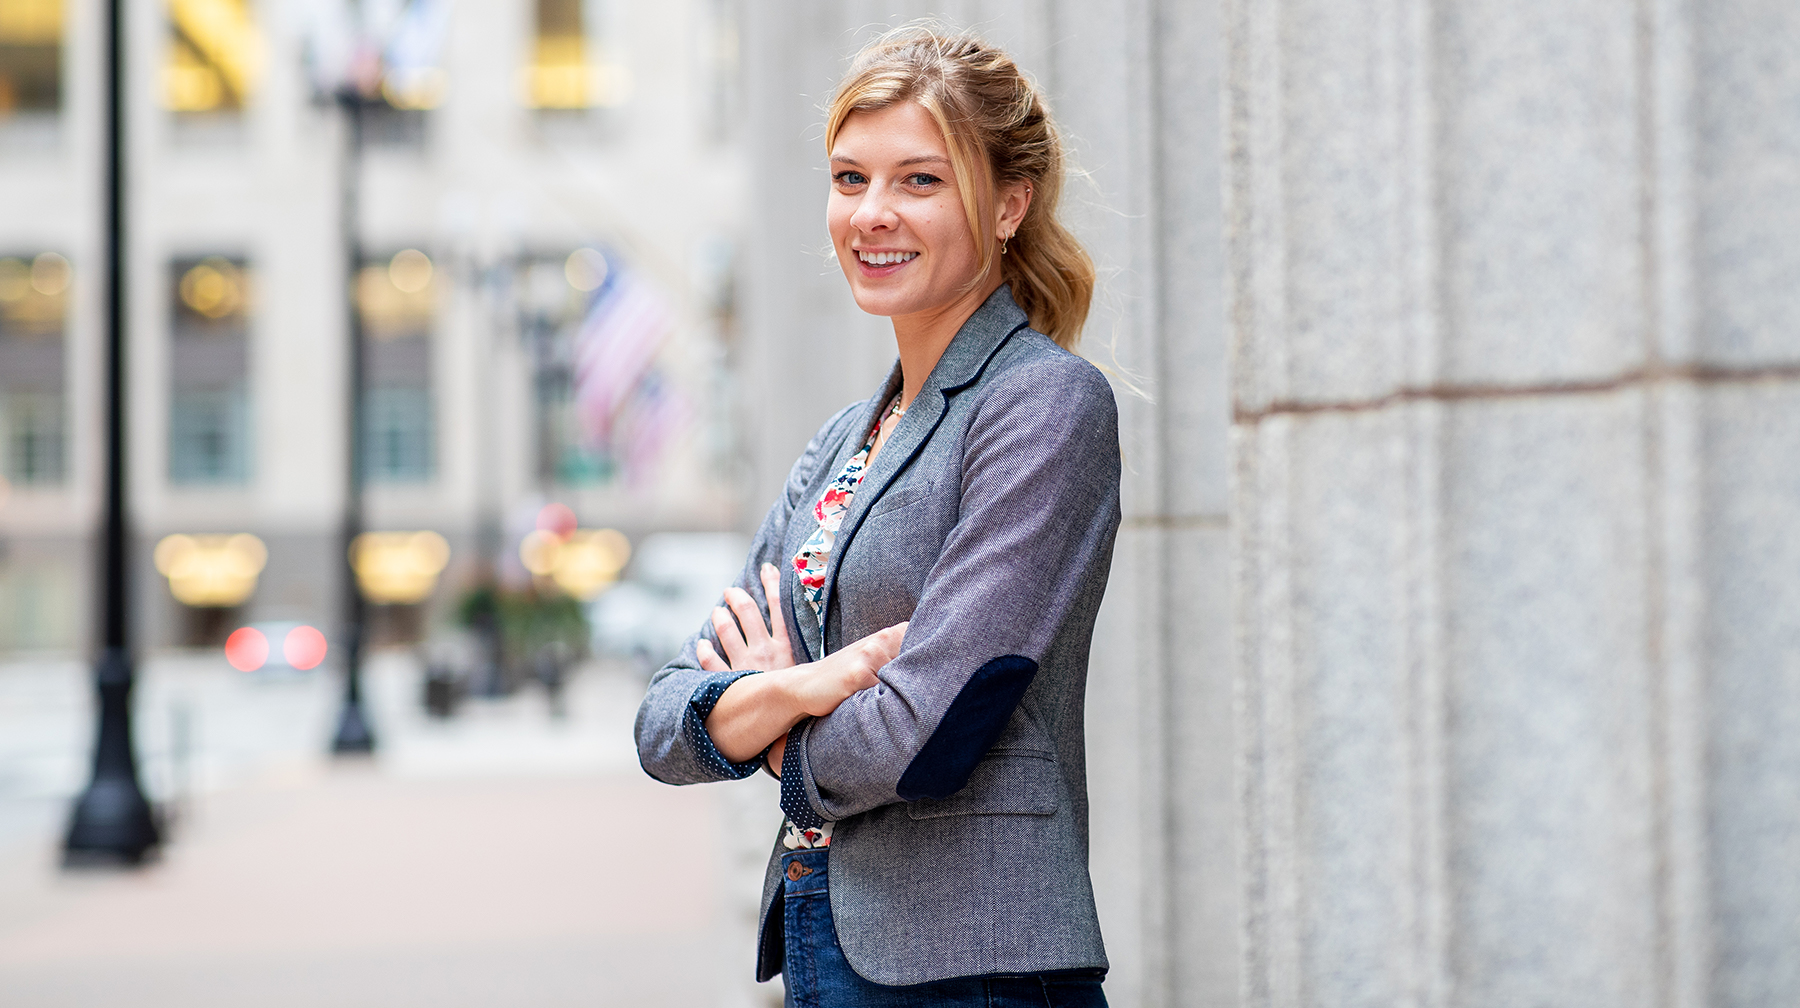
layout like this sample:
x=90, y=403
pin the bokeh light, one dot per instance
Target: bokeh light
x=538, y=551
x=585, y=269
x=213, y=287
x=398, y=568
x=303, y=647
x=410, y=271
x=557, y=519
x=49, y=273
x=211, y=570
x=246, y=649
x=590, y=561
x=583, y=563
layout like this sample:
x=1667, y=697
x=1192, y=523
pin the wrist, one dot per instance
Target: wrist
x=789, y=687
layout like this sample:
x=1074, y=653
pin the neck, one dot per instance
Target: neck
x=924, y=336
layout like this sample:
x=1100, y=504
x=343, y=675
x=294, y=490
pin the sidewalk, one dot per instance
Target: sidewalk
x=499, y=859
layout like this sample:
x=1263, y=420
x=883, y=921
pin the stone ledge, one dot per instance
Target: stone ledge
x=1655, y=374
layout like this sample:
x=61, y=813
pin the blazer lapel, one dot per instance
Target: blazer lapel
x=963, y=361
x=803, y=522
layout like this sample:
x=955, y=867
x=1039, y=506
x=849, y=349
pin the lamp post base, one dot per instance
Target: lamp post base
x=353, y=738
x=113, y=823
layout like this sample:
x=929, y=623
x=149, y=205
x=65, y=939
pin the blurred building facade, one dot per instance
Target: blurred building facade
x=513, y=153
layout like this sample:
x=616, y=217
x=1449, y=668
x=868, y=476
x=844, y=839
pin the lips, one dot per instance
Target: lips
x=874, y=265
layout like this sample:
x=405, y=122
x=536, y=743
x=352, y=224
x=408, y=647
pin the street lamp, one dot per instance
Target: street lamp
x=353, y=735
x=112, y=820
x=359, y=54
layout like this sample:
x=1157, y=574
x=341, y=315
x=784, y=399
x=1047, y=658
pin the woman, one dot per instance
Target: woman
x=939, y=551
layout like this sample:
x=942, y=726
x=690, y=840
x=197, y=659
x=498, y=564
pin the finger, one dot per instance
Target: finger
x=709, y=659
x=749, y=616
x=729, y=638
x=771, y=579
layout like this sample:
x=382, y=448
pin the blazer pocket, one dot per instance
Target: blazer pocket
x=1009, y=782
x=900, y=497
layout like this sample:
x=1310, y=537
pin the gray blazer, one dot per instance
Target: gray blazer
x=958, y=784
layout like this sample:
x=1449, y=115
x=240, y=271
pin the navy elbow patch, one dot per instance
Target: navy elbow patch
x=969, y=729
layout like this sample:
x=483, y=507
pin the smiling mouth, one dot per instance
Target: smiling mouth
x=885, y=258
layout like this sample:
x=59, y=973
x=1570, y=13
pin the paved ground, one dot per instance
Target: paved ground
x=497, y=859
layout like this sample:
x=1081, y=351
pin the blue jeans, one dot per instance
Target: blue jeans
x=817, y=975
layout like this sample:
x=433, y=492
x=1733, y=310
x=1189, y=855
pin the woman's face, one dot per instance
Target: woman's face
x=896, y=215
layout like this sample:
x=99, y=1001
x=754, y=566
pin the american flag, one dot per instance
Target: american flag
x=657, y=414
x=624, y=328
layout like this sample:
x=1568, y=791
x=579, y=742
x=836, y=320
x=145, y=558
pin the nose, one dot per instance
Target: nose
x=874, y=211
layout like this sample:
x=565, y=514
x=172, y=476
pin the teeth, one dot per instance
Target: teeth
x=885, y=258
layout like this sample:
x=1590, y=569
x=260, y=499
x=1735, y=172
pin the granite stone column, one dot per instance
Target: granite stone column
x=1516, y=513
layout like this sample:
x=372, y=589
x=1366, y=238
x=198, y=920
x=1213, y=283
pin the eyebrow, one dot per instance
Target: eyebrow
x=908, y=162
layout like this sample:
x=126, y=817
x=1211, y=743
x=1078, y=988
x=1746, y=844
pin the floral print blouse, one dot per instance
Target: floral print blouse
x=810, y=563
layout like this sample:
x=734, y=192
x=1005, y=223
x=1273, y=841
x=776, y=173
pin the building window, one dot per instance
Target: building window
x=397, y=445
x=209, y=396
x=34, y=438
x=208, y=435
x=215, y=56
x=33, y=300
x=30, y=56
x=398, y=298
x=571, y=67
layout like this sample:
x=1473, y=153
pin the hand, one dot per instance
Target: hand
x=822, y=685
x=818, y=687
x=764, y=649
x=760, y=709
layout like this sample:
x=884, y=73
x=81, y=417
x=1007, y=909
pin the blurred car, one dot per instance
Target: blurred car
x=674, y=580
x=276, y=648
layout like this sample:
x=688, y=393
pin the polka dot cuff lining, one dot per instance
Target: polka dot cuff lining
x=793, y=785
x=693, y=725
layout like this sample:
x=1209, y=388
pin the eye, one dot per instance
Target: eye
x=923, y=180
x=849, y=178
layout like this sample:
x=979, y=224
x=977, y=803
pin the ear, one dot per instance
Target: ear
x=1015, y=199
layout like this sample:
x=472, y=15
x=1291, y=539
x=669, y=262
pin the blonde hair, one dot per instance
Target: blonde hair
x=999, y=132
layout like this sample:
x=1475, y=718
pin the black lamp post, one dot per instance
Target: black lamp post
x=354, y=735
x=112, y=821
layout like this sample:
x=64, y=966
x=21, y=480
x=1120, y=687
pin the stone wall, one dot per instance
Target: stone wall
x=1135, y=85
x=1516, y=393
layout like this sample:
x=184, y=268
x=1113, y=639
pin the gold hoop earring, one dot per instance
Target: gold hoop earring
x=1003, y=242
